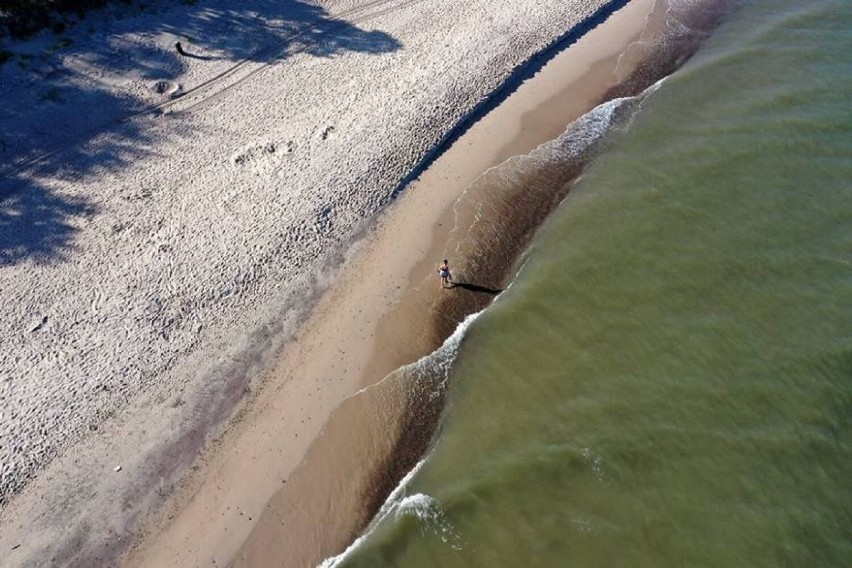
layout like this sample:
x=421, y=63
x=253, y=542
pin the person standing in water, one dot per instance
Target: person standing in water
x=446, y=277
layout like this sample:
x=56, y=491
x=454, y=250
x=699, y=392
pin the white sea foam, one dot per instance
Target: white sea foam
x=577, y=138
x=398, y=503
x=425, y=508
x=442, y=358
x=388, y=506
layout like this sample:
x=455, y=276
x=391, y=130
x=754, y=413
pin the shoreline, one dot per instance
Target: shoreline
x=196, y=526
x=397, y=417
x=178, y=224
x=261, y=434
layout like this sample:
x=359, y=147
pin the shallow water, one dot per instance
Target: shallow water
x=668, y=382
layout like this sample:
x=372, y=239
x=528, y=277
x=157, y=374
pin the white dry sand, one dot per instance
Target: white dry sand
x=150, y=262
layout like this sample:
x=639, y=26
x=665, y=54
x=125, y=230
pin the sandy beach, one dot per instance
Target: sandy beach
x=363, y=331
x=242, y=272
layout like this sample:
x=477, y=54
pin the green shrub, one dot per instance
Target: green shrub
x=21, y=18
x=61, y=43
x=24, y=60
x=53, y=94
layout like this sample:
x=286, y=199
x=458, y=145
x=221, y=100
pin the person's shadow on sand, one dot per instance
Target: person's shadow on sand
x=476, y=288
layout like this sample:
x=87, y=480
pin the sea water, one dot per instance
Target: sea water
x=668, y=381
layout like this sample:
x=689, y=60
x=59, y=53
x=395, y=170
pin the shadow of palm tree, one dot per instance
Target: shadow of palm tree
x=74, y=123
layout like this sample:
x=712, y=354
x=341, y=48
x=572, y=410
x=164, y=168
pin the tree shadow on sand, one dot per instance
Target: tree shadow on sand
x=38, y=225
x=267, y=28
x=55, y=123
x=261, y=30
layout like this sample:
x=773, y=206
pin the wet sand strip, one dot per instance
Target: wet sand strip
x=385, y=311
x=373, y=439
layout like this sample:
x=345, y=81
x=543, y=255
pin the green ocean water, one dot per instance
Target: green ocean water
x=668, y=382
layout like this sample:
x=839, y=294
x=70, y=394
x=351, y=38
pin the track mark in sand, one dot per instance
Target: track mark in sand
x=274, y=51
x=332, y=23
x=38, y=324
x=169, y=88
x=262, y=156
x=200, y=95
x=324, y=219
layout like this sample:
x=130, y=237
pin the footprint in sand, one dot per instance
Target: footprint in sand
x=264, y=155
x=172, y=90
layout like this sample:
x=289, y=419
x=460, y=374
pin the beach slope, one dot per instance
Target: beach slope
x=168, y=220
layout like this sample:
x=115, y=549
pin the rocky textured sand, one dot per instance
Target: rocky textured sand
x=155, y=249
